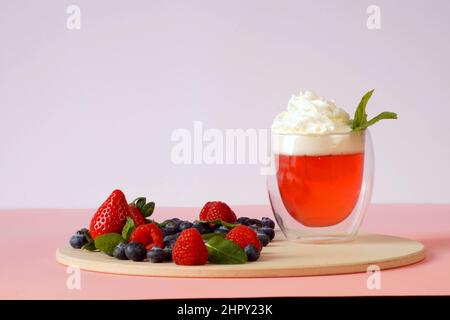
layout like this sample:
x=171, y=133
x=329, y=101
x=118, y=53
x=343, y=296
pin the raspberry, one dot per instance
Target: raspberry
x=149, y=235
x=217, y=210
x=190, y=249
x=243, y=236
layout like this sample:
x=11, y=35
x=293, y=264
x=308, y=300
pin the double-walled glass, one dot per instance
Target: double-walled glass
x=322, y=184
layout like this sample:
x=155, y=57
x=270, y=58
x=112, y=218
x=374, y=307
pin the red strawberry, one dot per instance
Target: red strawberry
x=217, y=210
x=189, y=249
x=111, y=216
x=149, y=235
x=136, y=215
x=140, y=209
x=243, y=236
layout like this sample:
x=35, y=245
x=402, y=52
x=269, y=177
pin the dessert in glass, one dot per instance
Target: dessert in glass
x=323, y=176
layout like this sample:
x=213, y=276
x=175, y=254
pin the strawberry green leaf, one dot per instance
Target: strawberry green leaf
x=107, y=242
x=152, y=221
x=147, y=209
x=140, y=202
x=128, y=229
x=223, y=251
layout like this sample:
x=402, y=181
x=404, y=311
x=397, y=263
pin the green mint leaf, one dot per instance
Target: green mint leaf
x=88, y=236
x=128, y=229
x=207, y=236
x=89, y=246
x=360, y=118
x=220, y=223
x=107, y=242
x=223, y=251
x=382, y=116
x=147, y=209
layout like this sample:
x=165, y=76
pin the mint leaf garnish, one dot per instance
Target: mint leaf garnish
x=107, y=242
x=89, y=246
x=88, y=236
x=207, y=236
x=381, y=116
x=223, y=251
x=360, y=118
x=220, y=223
x=128, y=229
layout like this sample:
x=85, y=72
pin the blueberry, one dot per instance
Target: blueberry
x=222, y=229
x=170, y=228
x=169, y=241
x=155, y=255
x=184, y=225
x=119, y=251
x=135, y=251
x=267, y=222
x=268, y=231
x=177, y=222
x=171, y=244
x=202, y=227
x=254, y=227
x=254, y=222
x=251, y=252
x=77, y=241
x=263, y=238
x=243, y=220
x=82, y=231
x=167, y=254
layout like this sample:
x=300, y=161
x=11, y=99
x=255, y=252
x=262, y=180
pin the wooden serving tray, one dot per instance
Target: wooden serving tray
x=281, y=258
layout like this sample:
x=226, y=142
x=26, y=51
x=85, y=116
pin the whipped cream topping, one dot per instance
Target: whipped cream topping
x=308, y=113
x=318, y=145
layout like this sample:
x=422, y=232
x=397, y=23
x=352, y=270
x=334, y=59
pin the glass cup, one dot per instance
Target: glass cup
x=322, y=184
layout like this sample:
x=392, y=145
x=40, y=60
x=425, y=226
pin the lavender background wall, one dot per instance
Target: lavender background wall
x=85, y=111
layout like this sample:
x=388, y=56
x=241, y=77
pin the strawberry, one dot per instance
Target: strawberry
x=189, y=249
x=136, y=215
x=243, y=236
x=150, y=235
x=217, y=210
x=140, y=209
x=111, y=216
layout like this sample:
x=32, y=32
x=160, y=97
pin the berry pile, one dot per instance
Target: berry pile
x=125, y=232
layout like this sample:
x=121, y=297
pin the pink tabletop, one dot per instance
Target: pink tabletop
x=28, y=269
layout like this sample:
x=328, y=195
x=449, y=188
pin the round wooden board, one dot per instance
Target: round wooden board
x=280, y=258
